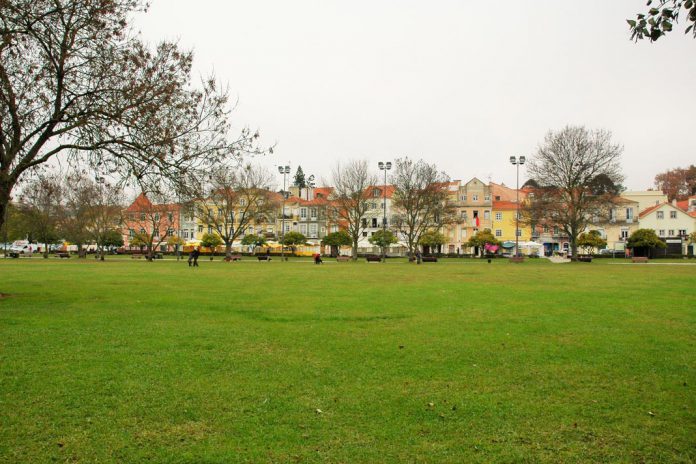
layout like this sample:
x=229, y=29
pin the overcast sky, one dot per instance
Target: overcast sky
x=462, y=84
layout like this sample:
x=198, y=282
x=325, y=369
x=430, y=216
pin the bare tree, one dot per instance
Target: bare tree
x=420, y=200
x=352, y=185
x=104, y=214
x=79, y=193
x=153, y=223
x=42, y=209
x=237, y=199
x=573, y=168
x=72, y=81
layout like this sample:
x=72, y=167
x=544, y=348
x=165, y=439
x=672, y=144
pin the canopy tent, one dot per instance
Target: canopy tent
x=508, y=244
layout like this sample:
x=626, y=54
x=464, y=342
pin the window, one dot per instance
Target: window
x=463, y=233
x=170, y=217
x=612, y=214
x=519, y=232
x=556, y=230
x=374, y=222
x=363, y=222
x=464, y=215
x=334, y=229
x=142, y=231
x=312, y=230
x=210, y=229
x=545, y=229
x=200, y=229
x=313, y=213
x=624, y=233
x=364, y=234
x=242, y=202
x=660, y=215
x=303, y=213
x=670, y=232
x=287, y=228
x=486, y=215
x=185, y=234
x=682, y=232
x=629, y=213
x=662, y=233
x=498, y=233
x=303, y=229
x=373, y=205
x=462, y=197
x=497, y=198
x=170, y=232
x=157, y=217
x=498, y=216
x=142, y=216
x=155, y=233
x=487, y=198
x=673, y=215
x=376, y=193
x=474, y=197
x=131, y=233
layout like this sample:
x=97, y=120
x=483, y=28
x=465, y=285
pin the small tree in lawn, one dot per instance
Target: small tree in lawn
x=176, y=242
x=140, y=240
x=482, y=238
x=211, y=241
x=336, y=240
x=42, y=208
x=382, y=239
x=644, y=240
x=292, y=239
x=254, y=240
x=591, y=240
x=431, y=239
x=110, y=239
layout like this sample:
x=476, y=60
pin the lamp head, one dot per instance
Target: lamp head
x=513, y=160
x=388, y=165
x=522, y=159
x=381, y=165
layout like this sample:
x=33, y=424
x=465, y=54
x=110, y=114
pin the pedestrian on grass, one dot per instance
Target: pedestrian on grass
x=196, y=254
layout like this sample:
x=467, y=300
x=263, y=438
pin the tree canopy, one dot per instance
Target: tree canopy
x=591, y=240
x=483, y=237
x=337, y=239
x=645, y=238
x=661, y=18
x=382, y=238
x=677, y=183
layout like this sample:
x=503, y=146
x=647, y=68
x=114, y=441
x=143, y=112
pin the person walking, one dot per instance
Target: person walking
x=196, y=254
x=190, y=258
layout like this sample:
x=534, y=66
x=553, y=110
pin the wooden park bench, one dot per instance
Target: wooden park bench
x=429, y=259
x=136, y=256
x=263, y=258
x=341, y=259
x=373, y=259
x=63, y=255
x=639, y=259
x=585, y=259
x=233, y=258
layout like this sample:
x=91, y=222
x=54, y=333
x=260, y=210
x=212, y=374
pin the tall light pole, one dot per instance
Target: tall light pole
x=384, y=167
x=517, y=162
x=284, y=170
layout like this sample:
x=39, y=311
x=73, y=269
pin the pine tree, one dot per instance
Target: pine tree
x=300, y=181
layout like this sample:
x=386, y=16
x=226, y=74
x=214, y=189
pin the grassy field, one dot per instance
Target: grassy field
x=130, y=361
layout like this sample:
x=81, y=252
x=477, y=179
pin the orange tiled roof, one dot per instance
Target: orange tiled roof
x=504, y=205
x=650, y=209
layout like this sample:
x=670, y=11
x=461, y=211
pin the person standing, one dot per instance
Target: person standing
x=196, y=254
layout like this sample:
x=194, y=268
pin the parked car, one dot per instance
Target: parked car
x=609, y=251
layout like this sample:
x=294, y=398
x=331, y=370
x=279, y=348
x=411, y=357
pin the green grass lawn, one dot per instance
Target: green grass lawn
x=459, y=361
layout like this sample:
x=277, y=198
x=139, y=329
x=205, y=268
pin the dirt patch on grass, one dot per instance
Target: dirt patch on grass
x=4, y=295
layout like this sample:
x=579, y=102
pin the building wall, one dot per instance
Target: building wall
x=645, y=198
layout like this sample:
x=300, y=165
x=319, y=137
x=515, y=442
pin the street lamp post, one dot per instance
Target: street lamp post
x=517, y=162
x=384, y=167
x=284, y=170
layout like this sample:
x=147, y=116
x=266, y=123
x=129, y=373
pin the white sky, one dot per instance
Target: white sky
x=462, y=84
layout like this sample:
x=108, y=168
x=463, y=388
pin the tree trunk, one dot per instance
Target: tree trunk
x=354, y=251
x=5, y=188
x=45, y=253
x=228, y=249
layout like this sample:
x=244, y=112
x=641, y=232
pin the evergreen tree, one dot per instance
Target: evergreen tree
x=300, y=181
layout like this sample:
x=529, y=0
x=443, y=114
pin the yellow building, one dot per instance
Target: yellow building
x=504, y=225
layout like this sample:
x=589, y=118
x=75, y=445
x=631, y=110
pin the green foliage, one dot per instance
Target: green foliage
x=644, y=238
x=382, y=238
x=141, y=239
x=483, y=237
x=692, y=237
x=337, y=239
x=591, y=239
x=253, y=239
x=431, y=238
x=293, y=239
x=661, y=18
x=113, y=238
x=175, y=240
x=300, y=180
x=211, y=241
